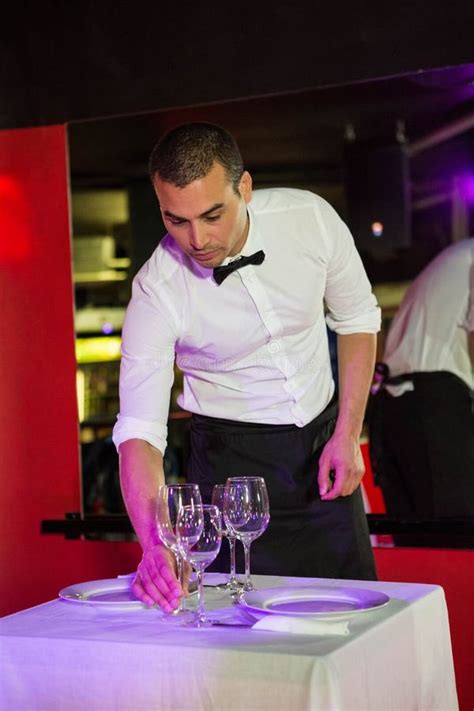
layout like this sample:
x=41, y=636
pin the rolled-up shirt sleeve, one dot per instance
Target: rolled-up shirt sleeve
x=351, y=305
x=147, y=367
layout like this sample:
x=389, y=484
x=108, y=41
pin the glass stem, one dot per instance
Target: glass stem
x=248, y=582
x=232, y=559
x=180, y=567
x=201, y=616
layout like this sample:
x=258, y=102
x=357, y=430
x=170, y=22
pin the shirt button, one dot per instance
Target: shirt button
x=273, y=346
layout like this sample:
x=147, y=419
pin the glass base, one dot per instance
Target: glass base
x=197, y=621
x=232, y=586
x=248, y=586
x=178, y=619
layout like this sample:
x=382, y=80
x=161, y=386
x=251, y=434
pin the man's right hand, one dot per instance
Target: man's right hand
x=155, y=581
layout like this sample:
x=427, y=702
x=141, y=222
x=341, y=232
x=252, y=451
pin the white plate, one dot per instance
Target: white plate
x=113, y=593
x=212, y=579
x=314, y=600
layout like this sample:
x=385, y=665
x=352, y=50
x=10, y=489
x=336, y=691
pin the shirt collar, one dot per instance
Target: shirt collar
x=253, y=243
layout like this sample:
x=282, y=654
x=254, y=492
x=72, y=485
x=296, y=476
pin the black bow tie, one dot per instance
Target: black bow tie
x=221, y=273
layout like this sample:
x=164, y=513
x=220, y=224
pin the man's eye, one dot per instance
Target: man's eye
x=212, y=218
x=174, y=221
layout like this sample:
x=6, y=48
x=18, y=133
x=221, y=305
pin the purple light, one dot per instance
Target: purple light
x=107, y=328
x=467, y=187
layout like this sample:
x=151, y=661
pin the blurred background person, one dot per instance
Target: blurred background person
x=421, y=419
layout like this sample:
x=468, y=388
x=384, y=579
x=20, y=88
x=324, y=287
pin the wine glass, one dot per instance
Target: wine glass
x=171, y=498
x=246, y=514
x=232, y=584
x=198, y=532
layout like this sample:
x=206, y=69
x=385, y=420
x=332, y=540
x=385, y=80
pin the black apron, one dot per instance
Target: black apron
x=422, y=452
x=306, y=536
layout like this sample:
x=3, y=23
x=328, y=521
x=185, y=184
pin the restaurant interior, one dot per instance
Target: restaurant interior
x=412, y=135
x=78, y=218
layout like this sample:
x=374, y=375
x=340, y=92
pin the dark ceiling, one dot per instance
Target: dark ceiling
x=302, y=132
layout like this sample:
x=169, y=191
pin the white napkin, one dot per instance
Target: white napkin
x=302, y=625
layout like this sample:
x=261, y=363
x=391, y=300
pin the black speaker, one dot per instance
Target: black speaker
x=377, y=191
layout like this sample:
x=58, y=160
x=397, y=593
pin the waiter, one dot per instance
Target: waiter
x=421, y=421
x=235, y=293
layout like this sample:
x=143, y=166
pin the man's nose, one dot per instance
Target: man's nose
x=198, y=238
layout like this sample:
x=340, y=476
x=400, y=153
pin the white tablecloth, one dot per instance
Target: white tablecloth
x=68, y=656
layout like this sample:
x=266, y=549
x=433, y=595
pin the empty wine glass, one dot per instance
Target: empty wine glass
x=218, y=495
x=171, y=499
x=246, y=514
x=198, y=532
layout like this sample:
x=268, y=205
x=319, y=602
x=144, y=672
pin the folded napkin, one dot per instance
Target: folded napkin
x=302, y=625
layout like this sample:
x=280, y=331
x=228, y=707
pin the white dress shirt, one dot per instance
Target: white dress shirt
x=430, y=330
x=255, y=348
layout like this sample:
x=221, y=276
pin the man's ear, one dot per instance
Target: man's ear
x=245, y=186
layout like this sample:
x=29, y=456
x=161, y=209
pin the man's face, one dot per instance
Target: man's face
x=206, y=218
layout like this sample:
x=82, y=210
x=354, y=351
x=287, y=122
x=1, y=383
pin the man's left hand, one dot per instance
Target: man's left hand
x=341, y=467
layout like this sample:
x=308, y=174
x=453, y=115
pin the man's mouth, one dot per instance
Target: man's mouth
x=205, y=256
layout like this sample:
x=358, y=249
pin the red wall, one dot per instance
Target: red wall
x=39, y=456
x=39, y=466
x=454, y=571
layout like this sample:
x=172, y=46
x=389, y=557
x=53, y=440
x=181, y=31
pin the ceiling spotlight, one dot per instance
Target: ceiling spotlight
x=377, y=229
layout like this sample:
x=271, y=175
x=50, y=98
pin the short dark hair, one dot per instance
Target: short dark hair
x=188, y=152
